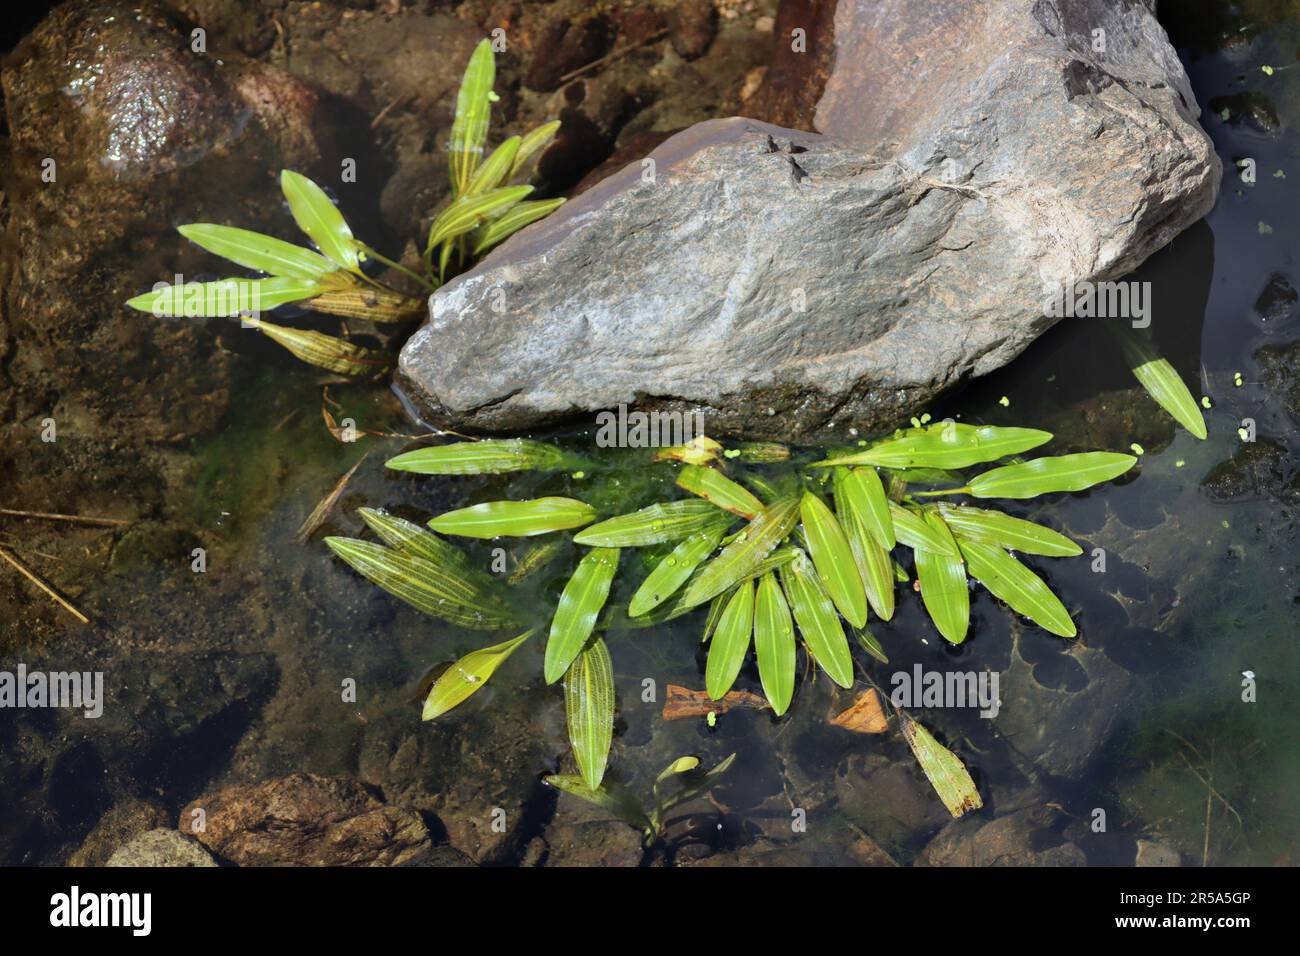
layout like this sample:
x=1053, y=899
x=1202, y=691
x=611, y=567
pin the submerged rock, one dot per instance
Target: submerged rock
x=784, y=282
x=162, y=848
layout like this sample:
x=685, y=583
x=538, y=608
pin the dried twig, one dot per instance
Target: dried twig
x=75, y=519
x=614, y=55
x=40, y=583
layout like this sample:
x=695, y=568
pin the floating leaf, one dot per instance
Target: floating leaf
x=713, y=486
x=519, y=519
x=858, y=490
x=440, y=590
x=817, y=620
x=675, y=568
x=1160, y=379
x=491, y=457
x=657, y=524
x=224, y=298
x=866, y=716
x=739, y=559
x=1043, y=476
x=256, y=251
x=1015, y=534
x=580, y=604
x=325, y=351
x=946, y=773
x=1023, y=590
x=833, y=559
x=589, y=709
x=774, y=643
x=943, y=586
x=468, y=675
x=917, y=534
x=511, y=221
x=473, y=112
x=320, y=219
x=946, y=445
x=611, y=796
x=730, y=642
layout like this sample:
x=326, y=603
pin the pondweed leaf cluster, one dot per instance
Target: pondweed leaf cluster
x=487, y=205
x=770, y=563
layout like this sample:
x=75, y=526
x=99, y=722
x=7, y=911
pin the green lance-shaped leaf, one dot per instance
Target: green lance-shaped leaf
x=946, y=773
x=714, y=614
x=491, y=457
x=535, y=558
x=739, y=559
x=515, y=218
x=320, y=219
x=325, y=351
x=760, y=452
x=730, y=641
x=473, y=113
x=580, y=604
x=696, y=783
x=869, y=644
x=440, y=590
x=411, y=538
x=464, y=215
x=534, y=140
x=943, y=586
x=675, y=568
x=874, y=565
x=946, y=445
x=1015, y=534
x=468, y=675
x=224, y=298
x=611, y=796
x=1042, y=476
x=774, y=643
x=917, y=534
x=1023, y=590
x=255, y=251
x=817, y=620
x=658, y=524
x=712, y=485
x=589, y=709
x=495, y=169
x=859, y=491
x=833, y=559
x=517, y=519
x=1159, y=378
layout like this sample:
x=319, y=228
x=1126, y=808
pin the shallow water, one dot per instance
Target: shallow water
x=234, y=674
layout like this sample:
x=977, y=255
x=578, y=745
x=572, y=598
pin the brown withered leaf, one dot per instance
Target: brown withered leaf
x=682, y=702
x=866, y=716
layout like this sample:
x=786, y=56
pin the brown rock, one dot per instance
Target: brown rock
x=694, y=24
x=1150, y=853
x=306, y=820
x=1023, y=838
x=116, y=828
x=568, y=42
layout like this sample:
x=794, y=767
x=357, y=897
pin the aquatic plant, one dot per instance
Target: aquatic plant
x=774, y=558
x=486, y=206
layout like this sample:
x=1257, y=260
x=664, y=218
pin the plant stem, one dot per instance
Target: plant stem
x=399, y=267
x=964, y=490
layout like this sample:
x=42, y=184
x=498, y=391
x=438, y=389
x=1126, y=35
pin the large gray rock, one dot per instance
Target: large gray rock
x=975, y=156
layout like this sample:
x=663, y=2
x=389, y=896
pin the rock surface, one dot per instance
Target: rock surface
x=786, y=282
x=306, y=820
x=161, y=848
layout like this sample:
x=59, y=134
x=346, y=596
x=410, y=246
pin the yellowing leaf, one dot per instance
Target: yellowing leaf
x=946, y=773
x=467, y=676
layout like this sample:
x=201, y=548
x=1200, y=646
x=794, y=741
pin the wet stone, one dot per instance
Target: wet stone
x=1263, y=468
x=1277, y=302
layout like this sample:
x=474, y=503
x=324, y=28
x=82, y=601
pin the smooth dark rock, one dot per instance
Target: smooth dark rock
x=1277, y=302
x=791, y=284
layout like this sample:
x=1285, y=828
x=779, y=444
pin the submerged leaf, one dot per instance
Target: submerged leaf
x=1160, y=379
x=742, y=557
x=589, y=710
x=1015, y=534
x=1042, y=476
x=1025, y=592
x=320, y=219
x=730, y=642
x=817, y=620
x=325, y=351
x=534, y=559
x=657, y=524
x=518, y=519
x=946, y=773
x=943, y=586
x=580, y=604
x=675, y=568
x=490, y=457
x=946, y=445
x=610, y=796
x=441, y=590
x=473, y=113
x=255, y=251
x=468, y=675
x=713, y=486
x=774, y=643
